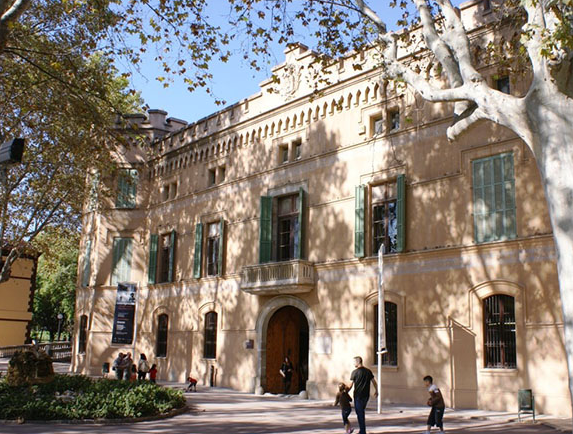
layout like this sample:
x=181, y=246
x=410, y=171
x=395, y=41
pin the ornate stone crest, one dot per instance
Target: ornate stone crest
x=290, y=80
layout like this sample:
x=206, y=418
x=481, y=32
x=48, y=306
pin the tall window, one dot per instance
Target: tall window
x=126, y=188
x=162, y=328
x=287, y=225
x=380, y=217
x=210, y=347
x=161, y=258
x=494, y=198
x=209, y=249
x=499, y=331
x=384, y=217
x=391, y=320
x=282, y=227
x=213, y=245
x=83, y=334
x=121, y=261
x=165, y=248
x=87, y=264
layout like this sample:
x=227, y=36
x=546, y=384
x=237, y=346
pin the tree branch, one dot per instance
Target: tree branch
x=456, y=37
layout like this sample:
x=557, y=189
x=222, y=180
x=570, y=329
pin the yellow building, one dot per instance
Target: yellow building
x=252, y=234
x=17, y=295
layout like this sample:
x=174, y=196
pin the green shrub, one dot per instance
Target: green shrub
x=80, y=397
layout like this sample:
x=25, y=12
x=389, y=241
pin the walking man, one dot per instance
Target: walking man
x=360, y=379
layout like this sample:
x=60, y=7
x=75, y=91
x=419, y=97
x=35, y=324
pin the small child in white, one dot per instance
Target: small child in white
x=436, y=401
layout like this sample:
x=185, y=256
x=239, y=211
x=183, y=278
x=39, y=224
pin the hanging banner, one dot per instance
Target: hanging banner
x=381, y=308
x=124, y=317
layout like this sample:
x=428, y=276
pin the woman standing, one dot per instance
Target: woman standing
x=142, y=367
x=286, y=372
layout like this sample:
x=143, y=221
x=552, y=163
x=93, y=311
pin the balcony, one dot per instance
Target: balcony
x=292, y=277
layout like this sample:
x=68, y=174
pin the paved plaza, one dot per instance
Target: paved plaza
x=224, y=411
x=218, y=410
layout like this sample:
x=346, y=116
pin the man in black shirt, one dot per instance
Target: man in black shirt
x=361, y=378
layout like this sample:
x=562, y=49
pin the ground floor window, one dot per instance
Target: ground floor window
x=210, y=347
x=83, y=333
x=499, y=332
x=391, y=320
x=162, y=327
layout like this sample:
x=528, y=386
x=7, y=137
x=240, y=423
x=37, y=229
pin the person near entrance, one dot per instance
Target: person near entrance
x=286, y=371
x=360, y=379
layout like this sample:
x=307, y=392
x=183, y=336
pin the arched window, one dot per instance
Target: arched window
x=83, y=334
x=391, y=315
x=210, y=348
x=162, y=327
x=499, y=332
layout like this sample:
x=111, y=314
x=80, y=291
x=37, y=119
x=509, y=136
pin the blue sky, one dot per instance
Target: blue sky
x=232, y=81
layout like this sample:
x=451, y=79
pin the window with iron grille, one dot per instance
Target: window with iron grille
x=384, y=217
x=162, y=328
x=83, y=333
x=210, y=347
x=499, y=332
x=391, y=320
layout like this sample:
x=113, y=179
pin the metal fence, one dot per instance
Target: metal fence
x=59, y=351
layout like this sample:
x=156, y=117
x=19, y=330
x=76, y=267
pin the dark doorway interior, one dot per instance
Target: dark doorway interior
x=287, y=335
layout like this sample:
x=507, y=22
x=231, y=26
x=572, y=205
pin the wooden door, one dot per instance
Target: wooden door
x=284, y=339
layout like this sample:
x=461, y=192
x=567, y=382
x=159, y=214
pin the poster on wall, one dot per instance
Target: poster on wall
x=124, y=317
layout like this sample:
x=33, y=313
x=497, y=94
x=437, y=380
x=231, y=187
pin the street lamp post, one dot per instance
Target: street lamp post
x=60, y=318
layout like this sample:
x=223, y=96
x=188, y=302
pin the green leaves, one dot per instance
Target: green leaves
x=91, y=399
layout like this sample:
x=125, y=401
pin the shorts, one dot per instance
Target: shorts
x=436, y=416
x=345, y=413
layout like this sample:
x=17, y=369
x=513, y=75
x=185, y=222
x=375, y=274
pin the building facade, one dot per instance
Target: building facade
x=253, y=234
x=17, y=295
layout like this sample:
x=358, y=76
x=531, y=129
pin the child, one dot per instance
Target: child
x=133, y=375
x=344, y=399
x=153, y=373
x=436, y=401
x=192, y=384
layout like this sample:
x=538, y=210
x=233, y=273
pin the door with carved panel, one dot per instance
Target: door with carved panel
x=287, y=335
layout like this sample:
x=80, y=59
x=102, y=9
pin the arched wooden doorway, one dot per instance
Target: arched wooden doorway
x=287, y=335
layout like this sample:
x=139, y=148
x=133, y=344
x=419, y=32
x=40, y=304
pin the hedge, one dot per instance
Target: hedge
x=75, y=397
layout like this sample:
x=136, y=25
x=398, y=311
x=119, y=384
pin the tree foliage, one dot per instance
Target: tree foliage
x=56, y=281
x=63, y=96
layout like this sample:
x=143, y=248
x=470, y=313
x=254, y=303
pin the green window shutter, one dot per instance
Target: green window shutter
x=221, y=247
x=300, y=233
x=121, y=267
x=401, y=213
x=359, y=221
x=153, y=246
x=494, y=198
x=87, y=264
x=170, y=273
x=198, y=248
x=265, y=229
x=127, y=188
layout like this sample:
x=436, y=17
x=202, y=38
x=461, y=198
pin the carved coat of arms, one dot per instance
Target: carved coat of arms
x=290, y=80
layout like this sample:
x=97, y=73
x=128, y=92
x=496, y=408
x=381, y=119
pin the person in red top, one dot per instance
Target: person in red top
x=153, y=373
x=192, y=384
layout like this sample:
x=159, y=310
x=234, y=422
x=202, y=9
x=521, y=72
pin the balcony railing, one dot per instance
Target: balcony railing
x=292, y=277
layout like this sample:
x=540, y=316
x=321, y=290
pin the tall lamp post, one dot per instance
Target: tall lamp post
x=60, y=318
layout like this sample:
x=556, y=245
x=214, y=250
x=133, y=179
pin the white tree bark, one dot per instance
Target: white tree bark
x=542, y=119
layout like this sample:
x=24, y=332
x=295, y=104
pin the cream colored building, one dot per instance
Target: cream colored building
x=252, y=234
x=17, y=295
